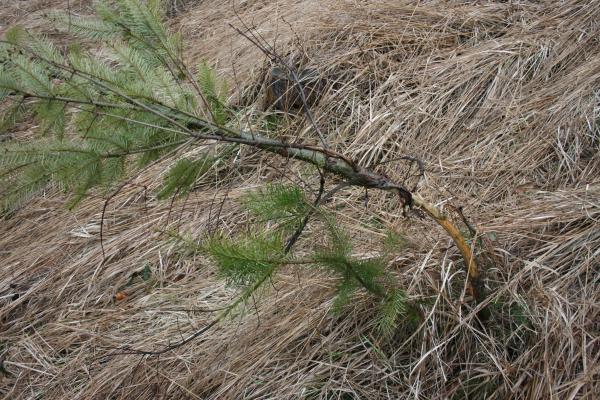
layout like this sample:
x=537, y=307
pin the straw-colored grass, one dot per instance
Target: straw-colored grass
x=501, y=100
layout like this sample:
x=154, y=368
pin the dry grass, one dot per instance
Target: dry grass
x=501, y=101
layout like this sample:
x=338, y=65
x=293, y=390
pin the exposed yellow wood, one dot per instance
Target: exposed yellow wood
x=473, y=270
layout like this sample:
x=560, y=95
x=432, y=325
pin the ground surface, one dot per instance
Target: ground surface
x=501, y=100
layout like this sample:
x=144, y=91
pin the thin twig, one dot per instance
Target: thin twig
x=274, y=56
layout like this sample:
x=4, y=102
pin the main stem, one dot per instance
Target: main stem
x=359, y=176
x=325, y=159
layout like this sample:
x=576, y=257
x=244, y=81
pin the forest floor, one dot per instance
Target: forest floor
x=501, y=101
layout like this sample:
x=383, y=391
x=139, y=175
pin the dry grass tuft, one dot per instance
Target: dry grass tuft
x=500, y=100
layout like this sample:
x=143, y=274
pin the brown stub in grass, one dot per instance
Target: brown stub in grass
x=284, y=92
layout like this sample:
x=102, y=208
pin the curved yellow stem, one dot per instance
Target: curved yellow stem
x=474, y=273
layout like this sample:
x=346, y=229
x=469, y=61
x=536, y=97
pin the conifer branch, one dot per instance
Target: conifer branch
x=328, y=160
x=247, y=292
x=167, y=111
